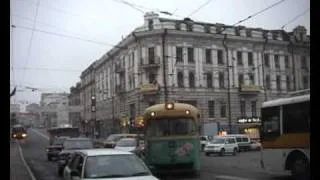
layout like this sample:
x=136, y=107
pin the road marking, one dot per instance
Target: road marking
x=25, y=163
x=41, y=134
x=225, y=177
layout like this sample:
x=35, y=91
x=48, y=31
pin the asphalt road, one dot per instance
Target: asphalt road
x=244, y=166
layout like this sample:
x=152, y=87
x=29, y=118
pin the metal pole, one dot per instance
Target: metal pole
x=164, y=66
x=228, y=88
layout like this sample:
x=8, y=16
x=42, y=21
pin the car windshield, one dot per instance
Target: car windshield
x=105, y=166
x=127, y=143
x=59, y=141
x=171, y=126
x=78, y=144
x=113, y=138
x=218, y=141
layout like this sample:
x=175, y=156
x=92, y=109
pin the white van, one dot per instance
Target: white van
x=243, y=141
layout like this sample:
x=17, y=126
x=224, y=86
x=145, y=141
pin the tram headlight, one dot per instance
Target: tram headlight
x=187, y=112
x=169, y=105
x=24, y=135
x=152, y=114
x=14, y=135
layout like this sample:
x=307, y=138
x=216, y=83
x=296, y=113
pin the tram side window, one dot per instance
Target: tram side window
x=296, y=118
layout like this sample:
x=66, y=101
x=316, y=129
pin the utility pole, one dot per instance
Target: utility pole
x=228, y=88
x=164, y=66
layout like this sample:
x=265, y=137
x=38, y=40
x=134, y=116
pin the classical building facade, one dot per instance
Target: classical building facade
x=201, y=64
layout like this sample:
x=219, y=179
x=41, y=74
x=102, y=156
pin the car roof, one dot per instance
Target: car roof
x=77, y=138
x=100, y=152
x=124, y=139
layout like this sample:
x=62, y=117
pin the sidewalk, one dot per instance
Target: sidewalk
x=17, y=169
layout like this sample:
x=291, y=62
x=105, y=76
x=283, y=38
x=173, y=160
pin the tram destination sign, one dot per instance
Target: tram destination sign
x=249, y=120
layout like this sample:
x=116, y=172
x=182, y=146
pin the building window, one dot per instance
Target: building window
x=305, y=82
x=207, y=29
x=179, y=54
x=132, y=59
x=151, y=103
x=190, y=55
x=251, y=78
x=151, y=55
x=237, y=31
x=223, y=110
x=278, y=81
x=150, y=25
x=208, y=56
x=177, y=26
x=211, y=109
x=276, y=61
x=274, y=36
x=250, y=59
x=240, y=80
x=266, y=60
x=239, y=58
x=304, y=62
x=191, y=80
x=152, y=78
x=132, y=110
x=180, y=80
x=221, y=80
x=209, y=80
x=268, y=83
x=288, y=83
x=286, y=61
x=220, y=57
x=243, y=108
x=254, y=108
x=189, y=27
x=248, y=33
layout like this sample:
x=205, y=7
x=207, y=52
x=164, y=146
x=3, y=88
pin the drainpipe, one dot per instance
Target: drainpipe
x=164, y=66
x=228, y=88
x=262, y=64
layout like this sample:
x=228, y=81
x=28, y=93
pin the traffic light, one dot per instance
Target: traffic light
x=93, y=103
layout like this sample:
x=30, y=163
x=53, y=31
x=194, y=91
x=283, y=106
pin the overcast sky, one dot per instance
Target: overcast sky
x=54, y=63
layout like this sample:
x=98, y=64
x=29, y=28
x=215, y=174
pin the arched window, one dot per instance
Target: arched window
x=180, y=79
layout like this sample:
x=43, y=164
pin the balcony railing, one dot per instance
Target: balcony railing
x=151, y=63
x=250, y=89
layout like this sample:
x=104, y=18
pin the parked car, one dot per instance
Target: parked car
x=106, y=164
x=111, y=141
x=255, y=146
x=54, y=149
x=126, y=144
x=69, y=146
x=243, y=141
x=222, y=145
x=203, y=141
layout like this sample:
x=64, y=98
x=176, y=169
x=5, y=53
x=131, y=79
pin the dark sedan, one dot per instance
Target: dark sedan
x=54, y=149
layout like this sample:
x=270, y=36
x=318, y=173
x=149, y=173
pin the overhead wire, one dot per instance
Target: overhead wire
x=295, y=18
x=48, y=24
x=200, y=7
x=31, y=38
x=259, y=12
x=68, y=36
x=130, y=4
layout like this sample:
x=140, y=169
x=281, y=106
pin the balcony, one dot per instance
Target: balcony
x=119, y=68
x=120, y=89
x=149, y=89
x=151, y=64
x=250, y=89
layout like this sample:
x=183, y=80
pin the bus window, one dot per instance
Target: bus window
x=271, y=122
x=296, y=118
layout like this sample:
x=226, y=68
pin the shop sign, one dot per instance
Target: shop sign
x=249, y=120
x=149, y=88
